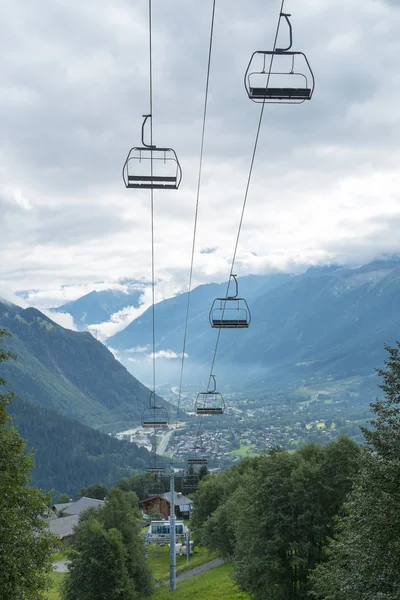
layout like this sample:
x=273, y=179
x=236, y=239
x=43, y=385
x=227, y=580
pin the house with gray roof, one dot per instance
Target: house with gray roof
x=77, y=507
x=63, y=527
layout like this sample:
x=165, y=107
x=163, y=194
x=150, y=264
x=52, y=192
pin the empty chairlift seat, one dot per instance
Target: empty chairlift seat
x=189, y=483
x=197, y=460
x=150, y=167
x=154, y=417
x=156, y=470
x=155, y=489
x=279, y=76
x=210, y=402
x=231, y=312
x=198, y=456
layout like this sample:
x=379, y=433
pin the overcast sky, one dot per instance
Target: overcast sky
x=74, y=85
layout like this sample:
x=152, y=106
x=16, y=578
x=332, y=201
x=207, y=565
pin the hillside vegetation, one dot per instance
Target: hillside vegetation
x=69, y=455
x=69, y=372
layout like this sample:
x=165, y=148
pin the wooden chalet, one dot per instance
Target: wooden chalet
x=183, y=505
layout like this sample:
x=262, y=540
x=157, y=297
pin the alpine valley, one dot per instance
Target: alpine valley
x=304, y=369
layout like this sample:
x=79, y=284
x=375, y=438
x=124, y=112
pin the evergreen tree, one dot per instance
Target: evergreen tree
x=203, y=472
x=384, y=437
x=364, y=557
x=26, y=545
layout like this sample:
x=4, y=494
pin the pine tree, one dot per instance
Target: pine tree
x=384, y=438
x=364, y=556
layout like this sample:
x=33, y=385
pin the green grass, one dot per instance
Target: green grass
x=214, y=584
x=53, y=593
x=60, y=555
x=160, y=564
x=243, y=451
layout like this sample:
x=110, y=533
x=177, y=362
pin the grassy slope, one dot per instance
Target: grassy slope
x=211, y=585
x=214, y=584
x=159, y=561
x=53, y=593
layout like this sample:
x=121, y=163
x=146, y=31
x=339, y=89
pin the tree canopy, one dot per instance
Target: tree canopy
x=26, y=544
x=108, y=560
x=271, y=515
x=364, y=556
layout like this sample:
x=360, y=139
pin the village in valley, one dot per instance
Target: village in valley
x=252, y=426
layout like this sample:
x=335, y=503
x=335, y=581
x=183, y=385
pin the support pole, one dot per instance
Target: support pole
x=188, y=545
x=172, y=536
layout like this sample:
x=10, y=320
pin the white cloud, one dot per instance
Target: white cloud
x=63, y=319
x=118, y=322
x=138, y=350
x=55, y=296
x=165, y=354
x=325, y=185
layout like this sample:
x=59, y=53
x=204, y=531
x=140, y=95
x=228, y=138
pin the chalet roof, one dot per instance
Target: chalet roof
x=63, y=506
x=63, y=527
x=77, y=507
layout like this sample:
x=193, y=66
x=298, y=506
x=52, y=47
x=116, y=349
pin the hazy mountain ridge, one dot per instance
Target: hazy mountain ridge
x=170, y=315
x=98, y=307
x=327, y=321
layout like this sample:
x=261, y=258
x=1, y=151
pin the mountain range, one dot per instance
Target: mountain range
x=327, y=324
x=98, y=307
x=329, y=321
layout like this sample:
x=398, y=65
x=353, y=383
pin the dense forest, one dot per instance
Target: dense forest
x=69, y=455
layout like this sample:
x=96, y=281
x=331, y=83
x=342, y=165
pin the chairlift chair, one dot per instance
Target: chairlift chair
x=197, y=460
x=280, y=76
x=155, y=487
x=210, y=402
x=231, y=312
x=198, y=456
x=150, y=167
x=189, y=483
x=154, y=416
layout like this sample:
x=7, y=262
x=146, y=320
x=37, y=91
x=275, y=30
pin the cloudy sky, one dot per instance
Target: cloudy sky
x=326, y=183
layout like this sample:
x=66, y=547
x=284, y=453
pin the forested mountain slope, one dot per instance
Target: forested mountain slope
x=69, y=455
x=69, y=372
